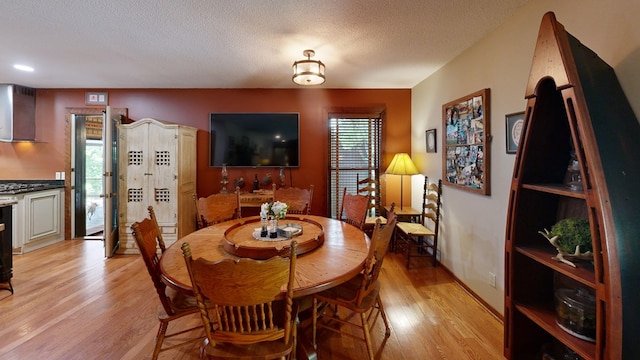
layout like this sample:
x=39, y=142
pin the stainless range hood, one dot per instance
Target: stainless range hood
x=17, y=113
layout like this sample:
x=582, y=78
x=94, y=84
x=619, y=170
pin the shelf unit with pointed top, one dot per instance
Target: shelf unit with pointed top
x=575, y=105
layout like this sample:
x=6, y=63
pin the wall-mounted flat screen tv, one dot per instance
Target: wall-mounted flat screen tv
x=254, y=139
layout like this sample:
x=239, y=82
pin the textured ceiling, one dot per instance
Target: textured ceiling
x=236, y=43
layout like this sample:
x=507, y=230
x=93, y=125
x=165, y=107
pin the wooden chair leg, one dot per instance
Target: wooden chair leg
x=315, y=321
x=435, y=249
x=387, y=328
x=408, y=250
x=162, y=330
x=367, y=334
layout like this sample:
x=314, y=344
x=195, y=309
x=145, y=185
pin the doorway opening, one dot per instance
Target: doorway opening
x=94, y=204
x=88, y=163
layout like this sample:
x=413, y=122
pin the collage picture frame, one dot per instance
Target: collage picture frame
x=466, y=160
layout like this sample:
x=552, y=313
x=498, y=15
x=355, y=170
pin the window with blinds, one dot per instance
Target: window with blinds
x=354, y=151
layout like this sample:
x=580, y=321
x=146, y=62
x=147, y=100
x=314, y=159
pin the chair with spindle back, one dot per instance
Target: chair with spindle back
x=354, y=209
x=360, y=295
x=174, y=305
x=298, y=200
x=217, y=208
x=245, y=316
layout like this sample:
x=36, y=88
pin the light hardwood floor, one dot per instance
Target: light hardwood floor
x=71, y=303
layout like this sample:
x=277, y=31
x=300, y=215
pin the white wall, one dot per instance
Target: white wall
x=472, y=241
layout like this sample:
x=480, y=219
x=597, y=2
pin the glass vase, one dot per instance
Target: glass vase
x=273, y=229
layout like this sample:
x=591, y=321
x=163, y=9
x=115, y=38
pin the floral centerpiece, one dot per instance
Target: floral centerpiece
x=272, y=211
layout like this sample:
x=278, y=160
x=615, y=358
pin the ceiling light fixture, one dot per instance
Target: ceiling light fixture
x=23, y=67
x=308, y=72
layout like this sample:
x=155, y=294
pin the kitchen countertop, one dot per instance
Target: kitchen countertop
x=28, y=186
x=4, y=203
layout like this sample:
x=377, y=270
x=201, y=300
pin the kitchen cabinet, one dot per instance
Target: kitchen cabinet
x=37, y=219
x=576, y=109
x=157, y=167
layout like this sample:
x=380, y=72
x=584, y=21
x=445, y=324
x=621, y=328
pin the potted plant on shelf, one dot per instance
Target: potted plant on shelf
x=572, y=238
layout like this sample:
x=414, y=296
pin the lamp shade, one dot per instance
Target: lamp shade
x=308, y=72
x=401, y=164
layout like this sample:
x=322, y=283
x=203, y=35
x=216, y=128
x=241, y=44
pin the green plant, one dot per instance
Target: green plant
x=572, y=232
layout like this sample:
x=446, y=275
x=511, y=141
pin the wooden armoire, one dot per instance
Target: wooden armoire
x=576, y=108
x=157, y=167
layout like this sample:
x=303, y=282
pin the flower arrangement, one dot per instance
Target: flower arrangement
x=273, y=210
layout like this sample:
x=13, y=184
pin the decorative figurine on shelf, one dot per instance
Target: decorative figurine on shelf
x=239, y=183
x=266, y=182
x=273, y=211
x=572, y=238
x=225, y=179
x=282, y=177
x=573, y=179
x=256, y=183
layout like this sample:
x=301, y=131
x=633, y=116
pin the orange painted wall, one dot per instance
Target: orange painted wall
x=191, y=107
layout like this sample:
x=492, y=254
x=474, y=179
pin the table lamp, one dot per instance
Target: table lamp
x=401, y=165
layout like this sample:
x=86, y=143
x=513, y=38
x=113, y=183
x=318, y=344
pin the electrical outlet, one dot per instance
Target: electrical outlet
x=492, y=279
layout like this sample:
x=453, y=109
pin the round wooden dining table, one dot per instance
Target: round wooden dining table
x=338, y=258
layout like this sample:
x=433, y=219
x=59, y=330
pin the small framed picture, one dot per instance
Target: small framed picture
x=431, y=141
x=513, y=123
x=96, y=98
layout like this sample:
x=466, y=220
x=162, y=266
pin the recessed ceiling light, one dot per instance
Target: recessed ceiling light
x=23, y=67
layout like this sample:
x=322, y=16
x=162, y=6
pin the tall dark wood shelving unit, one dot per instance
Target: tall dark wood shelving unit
x=574, y=104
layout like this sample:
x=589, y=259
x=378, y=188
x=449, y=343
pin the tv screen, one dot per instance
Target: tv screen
x=254, y=139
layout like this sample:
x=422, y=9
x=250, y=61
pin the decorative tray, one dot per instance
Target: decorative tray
x=243, y=239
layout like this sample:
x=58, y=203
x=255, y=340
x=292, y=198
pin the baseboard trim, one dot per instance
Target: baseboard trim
x=475, y=296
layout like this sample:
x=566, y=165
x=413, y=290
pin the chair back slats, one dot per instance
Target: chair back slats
x=241, y=297
x=146, y=233
x=432, y=201
x=354, y=209
x=217, y=208
x=371, y=188
x=154, y=219
x=377, y=251
x=298, y=200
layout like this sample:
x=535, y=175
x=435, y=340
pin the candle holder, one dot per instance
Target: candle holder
x=282, y=177
x=225, y=179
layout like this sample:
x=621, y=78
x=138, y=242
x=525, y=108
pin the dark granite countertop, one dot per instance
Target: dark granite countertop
x=12, y=187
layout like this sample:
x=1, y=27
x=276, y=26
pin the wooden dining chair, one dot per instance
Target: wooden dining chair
x=354, y=209
x=217, y=208
x=371, y=188
x=173, y=304
x=421, y=239
x=298, y=200
x=245, y=316
x=360, y=295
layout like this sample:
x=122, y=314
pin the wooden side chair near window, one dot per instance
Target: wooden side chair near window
x=299, y=200
x=371, y=188
x=245, y=316
x=354, y=209
x=174, y=305
x=360, y=295
x=421, y=239
x=217, y=208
